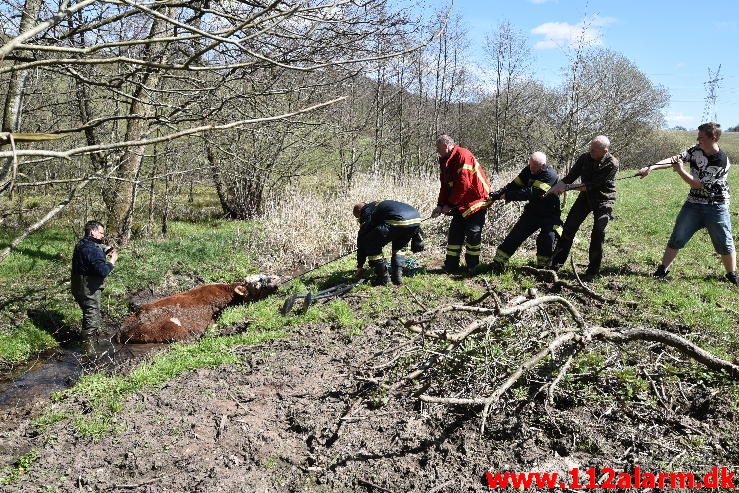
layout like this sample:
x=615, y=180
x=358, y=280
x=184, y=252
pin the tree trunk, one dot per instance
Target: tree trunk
x=124, y=200
x=12, y=108
x=218, y=181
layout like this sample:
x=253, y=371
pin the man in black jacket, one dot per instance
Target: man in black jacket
x=597, y=170
x=540, y=213
x=89, y=270
x=383, y=222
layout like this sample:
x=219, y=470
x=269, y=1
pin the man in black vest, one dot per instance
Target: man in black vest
x=89, y=270
x=541, y=213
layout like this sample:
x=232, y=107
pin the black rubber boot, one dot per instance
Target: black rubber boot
x=396, y=273
x=87, y=345
x=451, y=265
x=472, y=262
x=88, y=338
x=381, y=276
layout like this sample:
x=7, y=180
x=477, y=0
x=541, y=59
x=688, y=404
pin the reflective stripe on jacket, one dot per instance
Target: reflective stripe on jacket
x=390, y=212
x=532, y=187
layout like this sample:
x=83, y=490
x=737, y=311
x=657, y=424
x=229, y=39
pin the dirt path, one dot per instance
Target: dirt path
x=289, y=418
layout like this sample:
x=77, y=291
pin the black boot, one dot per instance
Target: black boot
x=451, y=265
x=472, y=262
x=661, y=272
x=88, y=338
x=396, y=273
x=381, y=276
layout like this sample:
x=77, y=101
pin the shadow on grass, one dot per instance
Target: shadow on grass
x=52, y=322
x=41, y=255
x=331, y=279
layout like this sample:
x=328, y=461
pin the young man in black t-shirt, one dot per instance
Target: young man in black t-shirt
x=707, y=205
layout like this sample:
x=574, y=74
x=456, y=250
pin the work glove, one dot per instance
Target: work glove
x=494, y=196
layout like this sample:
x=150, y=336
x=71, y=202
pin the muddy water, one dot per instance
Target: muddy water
x=38, y=379
x=60, y=368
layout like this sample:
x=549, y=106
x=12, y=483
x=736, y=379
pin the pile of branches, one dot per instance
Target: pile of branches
x=472, y=354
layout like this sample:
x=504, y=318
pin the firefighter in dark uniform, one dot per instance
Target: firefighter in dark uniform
x=541, y=213
x=464, y=196
x=383, y=222
x=89, y=270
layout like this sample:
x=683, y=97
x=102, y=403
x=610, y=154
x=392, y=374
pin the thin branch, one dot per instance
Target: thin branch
x=168, y=137
x=55, y=19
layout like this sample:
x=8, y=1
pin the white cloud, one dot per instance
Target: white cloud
x=587, y=32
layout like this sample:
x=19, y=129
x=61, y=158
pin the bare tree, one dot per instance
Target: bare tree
x=510, y=57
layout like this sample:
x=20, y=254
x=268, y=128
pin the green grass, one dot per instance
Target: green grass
x=11, y=475
x=21, y=344
x=36, y=303
x=645, y=214
x=218, y=251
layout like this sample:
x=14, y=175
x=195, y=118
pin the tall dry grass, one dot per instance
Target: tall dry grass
x=307, y=228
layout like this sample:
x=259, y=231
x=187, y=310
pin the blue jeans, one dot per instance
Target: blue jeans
x=714, y=217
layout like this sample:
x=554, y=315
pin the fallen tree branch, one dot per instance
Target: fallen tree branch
x=588, y=335
x=669, y=339
x=512, y=379
x=553, y=277
x=417, y=326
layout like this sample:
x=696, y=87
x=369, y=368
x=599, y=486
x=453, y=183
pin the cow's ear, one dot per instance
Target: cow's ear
x=240, y=291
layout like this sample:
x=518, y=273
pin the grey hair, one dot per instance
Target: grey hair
x=539, y=157
x=602, y=142
x=445, y=139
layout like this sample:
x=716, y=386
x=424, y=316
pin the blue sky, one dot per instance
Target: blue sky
x=673, y=42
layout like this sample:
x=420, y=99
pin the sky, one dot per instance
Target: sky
x=673, y=42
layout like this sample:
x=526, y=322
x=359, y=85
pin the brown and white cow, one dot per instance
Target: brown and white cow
x=183, y=315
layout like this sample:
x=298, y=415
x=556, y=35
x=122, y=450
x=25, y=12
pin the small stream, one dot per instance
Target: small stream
x=60, y=368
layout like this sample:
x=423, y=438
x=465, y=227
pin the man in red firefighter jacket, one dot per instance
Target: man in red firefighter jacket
x=464, y=196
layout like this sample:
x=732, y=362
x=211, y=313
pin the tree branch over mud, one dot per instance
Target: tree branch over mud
x=566, y=343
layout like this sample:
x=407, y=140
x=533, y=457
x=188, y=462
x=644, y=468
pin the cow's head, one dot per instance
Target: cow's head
x=257, y=286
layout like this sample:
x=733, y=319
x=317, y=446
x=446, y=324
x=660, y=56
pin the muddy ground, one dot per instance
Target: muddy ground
x=294, y=417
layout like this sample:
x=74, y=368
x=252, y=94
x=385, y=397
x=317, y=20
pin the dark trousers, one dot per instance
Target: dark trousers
x=580, y=210
x=374, y=240
x=467, y=230
x=527, y=225
x=87, y=291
